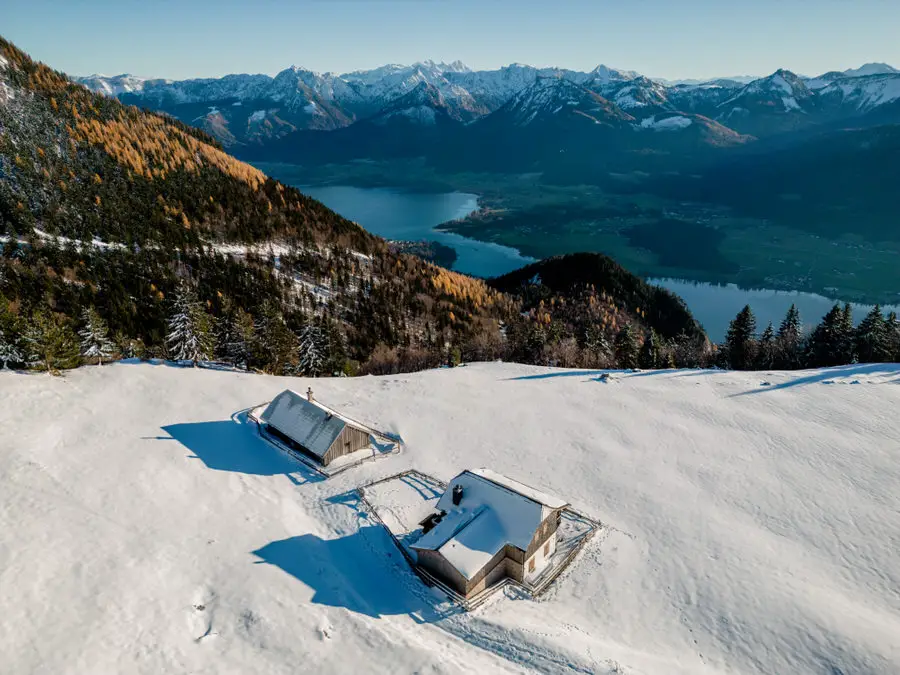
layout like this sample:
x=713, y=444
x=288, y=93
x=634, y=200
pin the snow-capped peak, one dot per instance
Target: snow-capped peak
x=549, y=97
x=871, y=69
x=781, y=86
x=602, y=74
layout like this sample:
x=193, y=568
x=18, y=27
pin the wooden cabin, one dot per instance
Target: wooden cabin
x=305, y=425
x=487, y=527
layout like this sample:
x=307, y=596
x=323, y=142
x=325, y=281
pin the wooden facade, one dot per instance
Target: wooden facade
x=349, y=440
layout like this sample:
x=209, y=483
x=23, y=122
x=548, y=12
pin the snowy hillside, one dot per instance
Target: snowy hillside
x=753, y=524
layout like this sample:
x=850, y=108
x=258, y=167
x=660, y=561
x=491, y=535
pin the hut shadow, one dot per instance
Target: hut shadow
x=362, y=572
x=234, y=445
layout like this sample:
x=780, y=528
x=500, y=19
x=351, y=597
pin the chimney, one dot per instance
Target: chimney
x=309, y=395
x=457, y=494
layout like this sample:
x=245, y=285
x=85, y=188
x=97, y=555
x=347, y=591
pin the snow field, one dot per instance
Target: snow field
x=754, y=529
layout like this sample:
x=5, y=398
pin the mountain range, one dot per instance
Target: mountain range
x=111, y=209
x=252, y=109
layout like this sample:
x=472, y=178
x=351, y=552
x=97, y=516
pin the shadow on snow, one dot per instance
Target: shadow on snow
x=234, y=445
x=362, y=572
x=827, y=376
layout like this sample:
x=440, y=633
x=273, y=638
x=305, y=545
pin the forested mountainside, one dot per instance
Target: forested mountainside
x=145, y=237
x=553, y=280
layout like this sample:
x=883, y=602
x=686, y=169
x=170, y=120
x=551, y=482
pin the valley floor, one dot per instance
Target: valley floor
x=753, y=524
x=649, y=235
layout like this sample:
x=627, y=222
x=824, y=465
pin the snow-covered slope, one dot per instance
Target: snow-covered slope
x=863, y=93
x=552, y=100
x=754, y=524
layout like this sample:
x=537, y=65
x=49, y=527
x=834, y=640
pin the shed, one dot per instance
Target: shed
x=309, y=427
x=487, y=527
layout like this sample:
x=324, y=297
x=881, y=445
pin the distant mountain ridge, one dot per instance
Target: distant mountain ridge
x=247, y=109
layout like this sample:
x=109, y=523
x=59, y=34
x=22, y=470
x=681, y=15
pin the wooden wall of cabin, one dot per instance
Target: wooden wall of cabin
x=349, y=440
x=437, y=564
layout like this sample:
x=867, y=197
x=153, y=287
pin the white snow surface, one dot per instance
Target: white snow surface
x=753, y=524
x=667, y=123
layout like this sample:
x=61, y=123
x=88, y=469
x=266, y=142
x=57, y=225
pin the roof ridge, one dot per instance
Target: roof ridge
x=510, y=489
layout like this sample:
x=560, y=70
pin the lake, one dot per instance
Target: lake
x=411, y=216
x=715, y=306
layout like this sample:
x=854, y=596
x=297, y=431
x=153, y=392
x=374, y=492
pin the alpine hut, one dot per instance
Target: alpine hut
x=486, y=527
x=305, y=425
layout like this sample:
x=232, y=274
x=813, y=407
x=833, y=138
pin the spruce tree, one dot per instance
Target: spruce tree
x=650, y=357
x=189, y=336
x=765, y=356
x=627, y=349
x=11, y=351
x=237, y=344
x=789, y=342
x=740, y=340
x=275, y=345
x=872, y=340
x=595, y=341
x=892, y=329
x=826, y=344
x=94, y=334
x=51, y=342
x=9, y=348
x=847, y=336
x=313, y=350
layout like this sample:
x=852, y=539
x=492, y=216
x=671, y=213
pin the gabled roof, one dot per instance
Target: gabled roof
x=310, y=424
x=494, y=511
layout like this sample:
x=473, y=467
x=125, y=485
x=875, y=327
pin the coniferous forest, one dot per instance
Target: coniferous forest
x=127, y=234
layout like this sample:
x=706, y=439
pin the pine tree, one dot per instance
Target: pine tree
x=847, y=336
x=189, y=336
x=236, y=341
x=766, y=350
x=826, y=344
x=627, y=350
x=94, y=334
x=892, y=328
x=275, y=346
x=740, y=340
x=51, y=342
x=9, y=349
x=650, y=357
x=313, y=350
x=789, y=342
x=872, y=340
x=337, y=347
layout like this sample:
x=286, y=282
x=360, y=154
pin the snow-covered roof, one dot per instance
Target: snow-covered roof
x=526, y=491
x=494, y=511
x=309, y=423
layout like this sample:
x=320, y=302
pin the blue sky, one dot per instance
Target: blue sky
x=660, y=38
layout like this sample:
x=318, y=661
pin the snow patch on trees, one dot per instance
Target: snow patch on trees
x=95, y=342
x=188, y=337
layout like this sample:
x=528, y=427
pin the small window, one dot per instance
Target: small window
x=531, y=565
x=546, y=549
